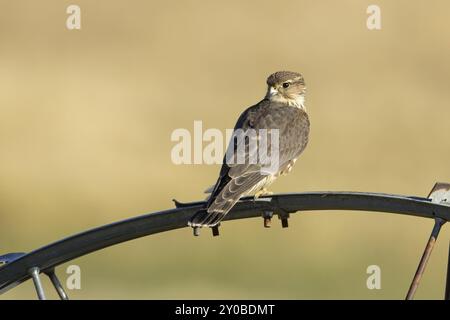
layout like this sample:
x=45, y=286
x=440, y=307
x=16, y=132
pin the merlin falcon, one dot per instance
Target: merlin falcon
x=282, y=111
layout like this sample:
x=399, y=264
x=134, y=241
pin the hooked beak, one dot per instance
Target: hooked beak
x=272, y=91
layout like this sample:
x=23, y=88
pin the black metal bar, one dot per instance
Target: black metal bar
x=34, y=273
x=58, y=287
x=447, y=287
x=52, y=255
x=10, y=257
x=438, y=222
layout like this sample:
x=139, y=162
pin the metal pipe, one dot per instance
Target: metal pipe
x=57, y=284
x=425, y=257
x=447, y=288
x=34, y=273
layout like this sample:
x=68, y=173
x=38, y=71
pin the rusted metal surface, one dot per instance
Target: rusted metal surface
x=425, y=257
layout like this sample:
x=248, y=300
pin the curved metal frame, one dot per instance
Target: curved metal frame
x=22, y=267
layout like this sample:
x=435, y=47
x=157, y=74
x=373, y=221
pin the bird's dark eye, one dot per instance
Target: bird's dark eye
x=286, y=85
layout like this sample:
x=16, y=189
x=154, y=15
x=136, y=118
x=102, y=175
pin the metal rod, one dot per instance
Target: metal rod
x=447, y=288
x=34, y=273
x=72, y=247
x=438, y=222
x=57, y=284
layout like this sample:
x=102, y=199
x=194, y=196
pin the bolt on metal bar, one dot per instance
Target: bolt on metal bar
x=57, y=284
x=196, y=231
x=267, y=216
x=34, y=273
x=425, y=257
x=215, y=230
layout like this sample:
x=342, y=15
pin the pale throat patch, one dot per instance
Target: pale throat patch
x=275, y=96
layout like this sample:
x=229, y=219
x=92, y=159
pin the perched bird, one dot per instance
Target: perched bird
x=282, y=110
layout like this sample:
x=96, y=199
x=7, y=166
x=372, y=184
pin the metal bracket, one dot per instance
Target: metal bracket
x=215, y=230
x=196, y=231
x=267, y=216
x=440, y=193
x=284, y=216
x=34, y=272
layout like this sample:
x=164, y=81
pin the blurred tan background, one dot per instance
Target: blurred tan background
x=86, y=118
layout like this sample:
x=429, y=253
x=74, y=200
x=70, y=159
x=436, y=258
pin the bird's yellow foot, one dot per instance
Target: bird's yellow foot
x=262, y=192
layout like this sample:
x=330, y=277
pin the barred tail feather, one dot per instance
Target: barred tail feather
x=201, y=219
x=225, y=200
x=211, y=218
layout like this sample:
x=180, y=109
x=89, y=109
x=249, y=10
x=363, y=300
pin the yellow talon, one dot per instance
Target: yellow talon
x=262, y=192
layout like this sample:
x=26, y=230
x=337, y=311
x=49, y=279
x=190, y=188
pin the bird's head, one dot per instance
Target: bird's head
x=286, y=87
